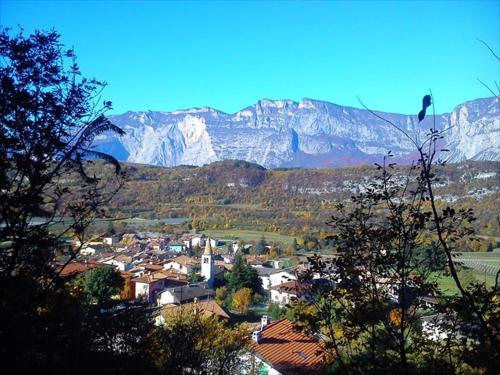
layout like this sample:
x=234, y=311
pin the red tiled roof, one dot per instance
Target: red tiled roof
x=257, y=258
x=153, y=267
x=227, y=266
x=289, y=351
x=76, y=268
x=184, y=260
x=172, y=275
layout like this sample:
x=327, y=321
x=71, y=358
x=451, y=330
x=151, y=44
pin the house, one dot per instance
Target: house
x=220, y=271
x=95, y=242
x=149, y=286
x=220, y=264
x=183, y=264
x=433, y=327
x=184, y=293
x=280, y=277
x=272, y=276
x=280, y=263
x=177, y=247
x=151, y=267
x=236, y=246
x=111, y=240
x=155, y=245
x=264, y=273
x=227, y=258
x=205, y=308
x=194, y=241
x=283, y=293
x=88, y=250
x=122, y=262
x=255, y=261
x=280, y=349
x=428, y=302
x=199, y=241
x=394, y=285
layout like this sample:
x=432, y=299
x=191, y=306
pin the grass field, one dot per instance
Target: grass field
x=447, y=284
x=249, y=235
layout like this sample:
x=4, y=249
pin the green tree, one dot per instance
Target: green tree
x=243, y=275
x=194, y=277
x=48, y=120
x=431, y=259
x=101, y=284
x=275, y=311
x=303, y=314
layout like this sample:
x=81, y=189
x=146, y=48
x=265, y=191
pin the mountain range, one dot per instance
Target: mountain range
x=309, y=133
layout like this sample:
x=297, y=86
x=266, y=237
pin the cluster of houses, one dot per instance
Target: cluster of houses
x=168, y=276
x=157, y=270
x=160, y=272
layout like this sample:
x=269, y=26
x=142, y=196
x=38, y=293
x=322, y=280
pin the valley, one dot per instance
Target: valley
x=237, y=195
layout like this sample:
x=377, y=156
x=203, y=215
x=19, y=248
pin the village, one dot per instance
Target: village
x=191, y=271
x=170, y=275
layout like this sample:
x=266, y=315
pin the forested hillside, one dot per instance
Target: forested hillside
x=237, y=194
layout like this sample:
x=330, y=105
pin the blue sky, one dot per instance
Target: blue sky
x=227, y=55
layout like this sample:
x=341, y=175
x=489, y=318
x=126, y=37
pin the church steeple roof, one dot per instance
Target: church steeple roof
x=208, y=247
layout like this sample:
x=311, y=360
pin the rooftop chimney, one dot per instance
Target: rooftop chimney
x=257, y=336
x=264, y=321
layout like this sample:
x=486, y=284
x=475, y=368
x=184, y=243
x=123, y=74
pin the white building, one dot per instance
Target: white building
x=149, y=286
x=271, y=276
x=434, y=329
x=282, y=294
x=280, y=278
x=208, y=264
x=89, y=251
x=182, y=263
x=236, y=247
x=111, y=240
x=200, y=241
x=122, y=262
x=183, y=293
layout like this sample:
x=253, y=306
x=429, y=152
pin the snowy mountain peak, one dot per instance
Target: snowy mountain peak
x=310, y=133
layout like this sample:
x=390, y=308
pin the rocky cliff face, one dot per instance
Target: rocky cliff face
x=475, y=131
x=311, y=133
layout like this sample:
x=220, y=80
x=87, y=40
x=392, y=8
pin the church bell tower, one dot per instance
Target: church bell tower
x=208, y=264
